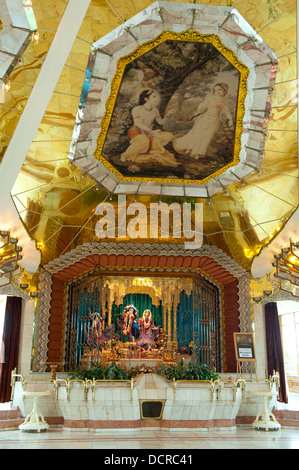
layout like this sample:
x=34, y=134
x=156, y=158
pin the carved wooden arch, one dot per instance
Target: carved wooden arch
x=230, y=278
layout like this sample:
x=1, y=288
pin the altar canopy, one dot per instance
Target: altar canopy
x=183, y=316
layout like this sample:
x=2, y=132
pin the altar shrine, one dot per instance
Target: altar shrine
x=128, y=318
x=194, y=304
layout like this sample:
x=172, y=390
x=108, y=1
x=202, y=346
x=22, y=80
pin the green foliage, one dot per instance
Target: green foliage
x=191, y=371
x=96, y=372
x=115, y=372
x=99, y=372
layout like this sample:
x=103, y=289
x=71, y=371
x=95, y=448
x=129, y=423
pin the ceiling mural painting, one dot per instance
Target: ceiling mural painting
x=182, y=66
x=248, y=195
x=178, y=112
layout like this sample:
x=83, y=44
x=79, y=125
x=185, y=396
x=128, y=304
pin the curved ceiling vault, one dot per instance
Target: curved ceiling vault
x=245, y=207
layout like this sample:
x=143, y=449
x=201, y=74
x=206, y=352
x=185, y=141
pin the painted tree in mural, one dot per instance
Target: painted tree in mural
x=168, y=66
x=183, y=74
x=174, y=61
x=177, y=70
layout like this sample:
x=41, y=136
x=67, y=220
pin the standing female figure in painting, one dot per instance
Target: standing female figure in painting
x=147, y=144
x=198, y=139
x=148, y=331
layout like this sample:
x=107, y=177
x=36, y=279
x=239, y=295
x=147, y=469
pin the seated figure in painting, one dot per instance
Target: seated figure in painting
x=97, y=334
x=147, y=144
x=148, y=331
x=129, y=324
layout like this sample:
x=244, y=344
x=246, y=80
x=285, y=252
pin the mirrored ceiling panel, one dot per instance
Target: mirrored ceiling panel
x=244, y=209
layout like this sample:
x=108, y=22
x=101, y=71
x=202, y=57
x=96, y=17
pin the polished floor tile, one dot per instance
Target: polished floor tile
x=240, y=438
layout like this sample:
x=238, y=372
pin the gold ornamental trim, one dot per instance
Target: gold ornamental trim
x=187, y=36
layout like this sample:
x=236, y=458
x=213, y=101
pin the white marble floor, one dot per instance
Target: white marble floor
x=162, y=440
x=242, y=437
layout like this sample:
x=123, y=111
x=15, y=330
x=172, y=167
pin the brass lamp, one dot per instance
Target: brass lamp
x=286, y=263
x=10, y=255
x=266, y=294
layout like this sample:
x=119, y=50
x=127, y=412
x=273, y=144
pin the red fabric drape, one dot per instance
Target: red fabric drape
x=11, y=341
x=274, y=348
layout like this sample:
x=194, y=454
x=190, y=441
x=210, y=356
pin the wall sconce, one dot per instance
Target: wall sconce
x=24, y=286
x=10, y=254
x=266, y=294
x=34, y=295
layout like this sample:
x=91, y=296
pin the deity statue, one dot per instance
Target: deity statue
x=129, y=324
x=148, y=331
x=97, y=335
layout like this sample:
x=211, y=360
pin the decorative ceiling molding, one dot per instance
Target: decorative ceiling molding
x=146, y=250
x=13, y=291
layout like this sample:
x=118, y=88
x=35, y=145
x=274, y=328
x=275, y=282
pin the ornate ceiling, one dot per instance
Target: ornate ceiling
x=55, y=192
x=181, y=52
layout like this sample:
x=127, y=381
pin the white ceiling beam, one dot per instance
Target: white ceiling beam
x=30, y=120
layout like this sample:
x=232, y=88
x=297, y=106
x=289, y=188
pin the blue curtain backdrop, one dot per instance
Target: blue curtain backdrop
x=197, y=318
x=185, y=320
x=141, y=302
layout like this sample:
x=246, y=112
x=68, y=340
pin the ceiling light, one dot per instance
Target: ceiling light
x=35, y=37
x=286, y=264
x=24, y=286
x=33, y=294
x=266, y=294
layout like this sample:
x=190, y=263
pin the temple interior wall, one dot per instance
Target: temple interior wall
x=27, y=327
x=26, y=336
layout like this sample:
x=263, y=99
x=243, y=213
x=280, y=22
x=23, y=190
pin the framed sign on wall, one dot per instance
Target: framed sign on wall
x=244, y=350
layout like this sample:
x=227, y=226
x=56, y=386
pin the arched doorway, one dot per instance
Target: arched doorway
x=141, y=260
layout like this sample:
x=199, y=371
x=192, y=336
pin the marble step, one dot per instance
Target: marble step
x=10, y=418
x=288, y=418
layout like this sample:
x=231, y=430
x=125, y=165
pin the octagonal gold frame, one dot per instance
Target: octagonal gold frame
x=187, y=36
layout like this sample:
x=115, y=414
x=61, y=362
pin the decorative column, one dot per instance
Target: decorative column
x=169, y=333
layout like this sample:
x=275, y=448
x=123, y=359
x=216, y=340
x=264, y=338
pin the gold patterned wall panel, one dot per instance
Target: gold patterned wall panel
x=39, y=46
x=125, y=10
x=282, y=142
x=286, y=43
x=56, y=128
x=287, y=68
x=48, y=14
x=25, y=71
x=99, y=20
x=262, y=13
x=274, y=165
